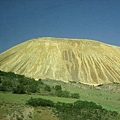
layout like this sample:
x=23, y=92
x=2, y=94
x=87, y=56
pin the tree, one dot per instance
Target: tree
x=20, y=89
x=58, y=87
x=7, y=84
x=22, y=81
x=47, y=88
x=32, y=88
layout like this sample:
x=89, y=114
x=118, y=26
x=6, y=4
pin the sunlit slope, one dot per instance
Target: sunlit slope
x=80, y=60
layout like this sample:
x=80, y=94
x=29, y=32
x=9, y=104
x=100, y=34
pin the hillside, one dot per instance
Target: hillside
x=19, y=94
x=80, y=60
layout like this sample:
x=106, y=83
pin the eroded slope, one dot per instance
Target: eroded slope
x=79, y=60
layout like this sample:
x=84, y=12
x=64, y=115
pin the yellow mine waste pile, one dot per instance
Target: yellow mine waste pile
x=80, y=60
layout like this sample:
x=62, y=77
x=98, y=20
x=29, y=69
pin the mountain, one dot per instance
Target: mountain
x=79, y=60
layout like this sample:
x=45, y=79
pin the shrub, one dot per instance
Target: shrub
x=3, y=88
x=20, y=89
x=40, y=102
x=114, y=113
x=79, y=110
x=40, y=81
x=65, y=94
x=58, y=88
x=61, y=93
x=32, y=88
x=47, y=88
x=75, y=95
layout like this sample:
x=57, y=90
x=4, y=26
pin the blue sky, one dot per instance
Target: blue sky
x=21, y=20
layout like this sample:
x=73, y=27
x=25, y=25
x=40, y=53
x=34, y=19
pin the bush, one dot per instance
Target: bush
x=40, y=81
x=47, y=88
x=3, y=88
x=40, y=102
x=58, y=88
x=20, y=89
x=32, y=88
x=63, y=93
x=75, y=95
x=7, y=83
x=79, y=110
x=114, y=113
x=2, y=73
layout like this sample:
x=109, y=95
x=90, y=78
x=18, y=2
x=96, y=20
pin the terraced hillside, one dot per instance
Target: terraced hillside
x=80, y=60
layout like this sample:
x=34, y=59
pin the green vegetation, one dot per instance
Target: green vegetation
x=47, y=88
x=79, y=110
x=58, y=88
x=22, y=98
x=62, y=98
x=19, y=84
x=75, y=95
x=11, y=103
x=107, y=95
x=40, y=102
x=19, y=89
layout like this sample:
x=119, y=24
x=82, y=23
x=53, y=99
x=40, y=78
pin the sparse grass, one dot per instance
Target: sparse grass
x=44, y=113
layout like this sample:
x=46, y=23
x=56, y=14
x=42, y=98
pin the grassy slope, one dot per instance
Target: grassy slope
x=12, y=102
x=9, y=103
x=22, y=98
x=107, y=99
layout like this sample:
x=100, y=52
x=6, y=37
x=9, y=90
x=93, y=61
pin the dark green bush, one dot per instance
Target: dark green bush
x=3, y=88
x=47, y=88
x=83, y=110
x=58, y=88
x=79, y=110
x=20, y=89
x=75, y=95
x=40, y=102
x=32, y=88
x=61, y=93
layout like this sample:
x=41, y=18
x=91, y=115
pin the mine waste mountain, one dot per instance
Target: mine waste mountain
x=70, y=60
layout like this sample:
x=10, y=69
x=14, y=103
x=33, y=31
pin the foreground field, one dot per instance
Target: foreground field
x=13, y=107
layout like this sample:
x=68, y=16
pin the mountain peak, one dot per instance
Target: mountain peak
x=80, y=60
